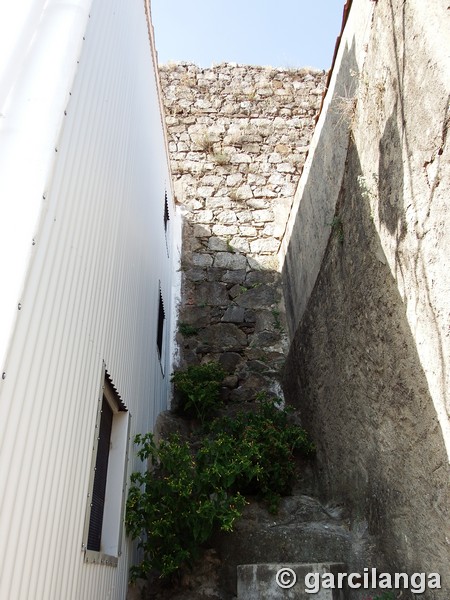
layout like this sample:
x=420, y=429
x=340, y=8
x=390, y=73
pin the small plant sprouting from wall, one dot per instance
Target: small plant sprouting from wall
x=199, y=389
x=206, y=144
x=221, y=158
x=337, y=228
x=277, y=319
x=345, y=107
x=187, y=329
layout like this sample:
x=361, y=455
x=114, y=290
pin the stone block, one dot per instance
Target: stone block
x=239, y=158
x=242, y=245
x=234, y=179
x=217, y=244
x=265, y=246
x=261, y=216
x=235, y=276
x=229, y=361
x=222, y=337
x=202, y=231
x=244, y=192
x=201, y=260
x=211, y=293
x=262, y=296
x=203, y=216
x=225, y=230
x=230, y=261
x=285, y=168
x=226, y=217
x=248, y=231
x=234, y=314
x=205, y=191
x=259, y=581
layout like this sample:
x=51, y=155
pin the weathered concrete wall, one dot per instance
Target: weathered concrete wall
x=238, y=138
x=369, y=359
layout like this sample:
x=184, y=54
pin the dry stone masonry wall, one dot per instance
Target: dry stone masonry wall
x=238, y=139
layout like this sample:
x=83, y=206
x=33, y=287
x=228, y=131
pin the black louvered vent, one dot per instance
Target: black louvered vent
x=101, y=471
x=161, y=317
x=166, y=212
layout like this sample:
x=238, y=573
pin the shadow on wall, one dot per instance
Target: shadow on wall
x=354, y=373
x=390, y=179
x=232, y=313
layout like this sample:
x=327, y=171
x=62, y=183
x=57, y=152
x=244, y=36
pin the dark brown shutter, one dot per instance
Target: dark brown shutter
x=161, y=317
x=166, y=212
x=101, y=471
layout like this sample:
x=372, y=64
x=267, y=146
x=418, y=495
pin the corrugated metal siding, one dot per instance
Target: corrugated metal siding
x=91, y=295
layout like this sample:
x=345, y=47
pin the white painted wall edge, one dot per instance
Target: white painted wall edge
x=51, y=37
x=313, y=206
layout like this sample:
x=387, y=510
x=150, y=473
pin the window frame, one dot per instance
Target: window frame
x=161, y=330
x=114, y=502
x=166, y=220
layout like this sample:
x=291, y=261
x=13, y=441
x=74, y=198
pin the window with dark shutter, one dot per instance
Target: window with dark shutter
x=103, y=526
x=160, y=331
x=166, y=212
x=101, y=472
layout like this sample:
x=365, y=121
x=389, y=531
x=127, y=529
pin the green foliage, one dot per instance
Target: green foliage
x=337, y=228
x=174, y=509
x=187, y=330
x=193, y=490
x=199, y=388
x=265, y=442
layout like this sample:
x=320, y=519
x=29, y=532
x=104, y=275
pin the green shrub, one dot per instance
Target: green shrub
x=174, y=510
x=199, y=388
x=267, y=442
x=187, y=329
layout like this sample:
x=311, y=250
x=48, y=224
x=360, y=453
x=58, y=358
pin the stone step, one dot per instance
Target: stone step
x=303, y=531
x=294, y=581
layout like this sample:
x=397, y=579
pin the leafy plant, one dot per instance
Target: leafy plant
x=191, y=491
x=266, y=442
x=173, y=510
x=187, y=330
x=338, y=228
x=199, y=388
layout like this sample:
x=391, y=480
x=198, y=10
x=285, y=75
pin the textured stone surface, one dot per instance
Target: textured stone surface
x=369, y=362
x=237, y=140
x=259, y=581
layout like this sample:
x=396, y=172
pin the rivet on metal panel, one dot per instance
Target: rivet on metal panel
x=56, y=149
x=19, y=306
x=3, y=375
x=33, y=242
x=65, y=113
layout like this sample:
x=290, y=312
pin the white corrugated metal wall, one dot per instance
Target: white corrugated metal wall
x=91, y=294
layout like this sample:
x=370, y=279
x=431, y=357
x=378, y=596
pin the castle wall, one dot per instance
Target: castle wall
x=238, y=138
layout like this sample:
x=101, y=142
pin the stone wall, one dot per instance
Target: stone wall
x=238, y=138
x=368, y=365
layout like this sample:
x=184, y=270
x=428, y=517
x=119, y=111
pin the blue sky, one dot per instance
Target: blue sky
x=280, y=33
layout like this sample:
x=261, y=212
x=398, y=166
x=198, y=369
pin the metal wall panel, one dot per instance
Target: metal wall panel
x=91, y=295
